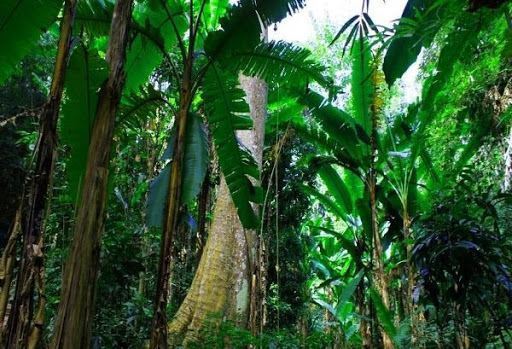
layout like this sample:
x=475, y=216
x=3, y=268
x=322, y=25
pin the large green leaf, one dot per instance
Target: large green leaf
x=347, y=292
x=21, y=24
x=195, y=165
x=214, y=10
x=94, y=17
x=336, y=187
x=406, y=44
x=339, y=126
x=86, y=72
x=325, y=200
x=241, y=26
x=384, y=315
x=362, y=84
x=347, y=244
x=227, y=113
x=154, y=35
x=141, y=59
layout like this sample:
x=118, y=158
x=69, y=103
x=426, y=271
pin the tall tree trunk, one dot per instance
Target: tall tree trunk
x=23, y=330
x=222, y=282
x=364, y=312
x=159, y=327
x=378, y=251
x=76, y=308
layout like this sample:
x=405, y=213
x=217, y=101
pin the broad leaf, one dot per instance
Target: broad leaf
x=195, y=165
x=86, y=72
x=21, y=24
x=336, y=187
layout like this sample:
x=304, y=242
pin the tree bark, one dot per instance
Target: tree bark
x=222, y=283
x=23, y=330
x=76, y=308
x=7, y=265
x=159, y=327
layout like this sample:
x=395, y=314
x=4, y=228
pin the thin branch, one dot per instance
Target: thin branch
x=35, y=112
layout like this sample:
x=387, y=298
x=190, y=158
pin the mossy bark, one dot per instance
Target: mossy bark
x=76, y=308
x=222, y=283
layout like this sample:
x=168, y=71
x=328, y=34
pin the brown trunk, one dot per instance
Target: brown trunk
x=159, y=326
x=364, y=326
x=222, y=283
x=7, y=265
x=76, y=308
x=379, y=274
x=23, y=330
x=409, y=304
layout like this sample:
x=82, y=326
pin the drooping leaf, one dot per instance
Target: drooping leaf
x=195, y=165
x=241, y=26
x=195, y=160
x=141, y=59
x=406, y=45
x=21, y=24
x=86, y=72
x=349, y=290
x=336, y=187
x=326, y=201
x=227, y=113
x=157, y=198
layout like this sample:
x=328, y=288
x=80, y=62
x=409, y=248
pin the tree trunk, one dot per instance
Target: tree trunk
x=76, y=308
x=364, y=326
x=23, y=330
x=380, y=276
x=159, y=326
x=222, y=283
x=7, y=266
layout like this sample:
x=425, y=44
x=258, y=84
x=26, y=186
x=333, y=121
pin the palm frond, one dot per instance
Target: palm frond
x=282, y=61
x=227, y=113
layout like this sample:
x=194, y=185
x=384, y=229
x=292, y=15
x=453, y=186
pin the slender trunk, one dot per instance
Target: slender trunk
x=7, y=265
x=23, y=330
x=76, y=308
x=409, y=305
x=159, y=326
x=364, y=326
x=379, y=274
x=378, y=251
x=222, y=282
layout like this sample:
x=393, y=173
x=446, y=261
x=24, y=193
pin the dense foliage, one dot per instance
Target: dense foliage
x=377, y=218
